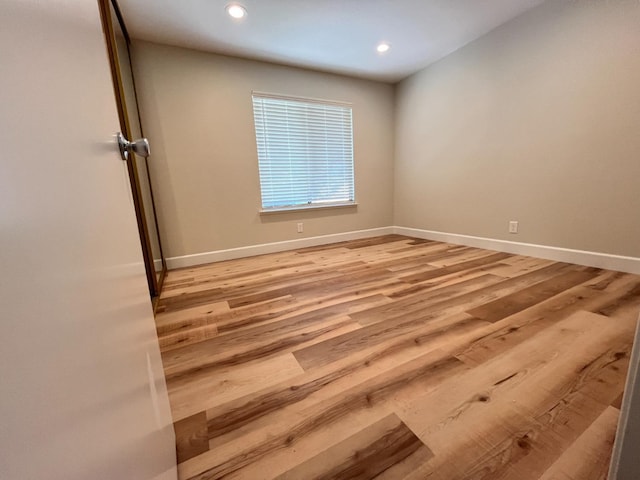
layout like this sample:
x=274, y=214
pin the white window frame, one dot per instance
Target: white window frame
x=330, y=192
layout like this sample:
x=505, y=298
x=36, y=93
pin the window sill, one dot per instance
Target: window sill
x=272, y=211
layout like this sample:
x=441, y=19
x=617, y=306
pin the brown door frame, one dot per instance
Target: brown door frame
x=155, y=284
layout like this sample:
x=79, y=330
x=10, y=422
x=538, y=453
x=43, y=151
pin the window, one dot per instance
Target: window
x=305, y=152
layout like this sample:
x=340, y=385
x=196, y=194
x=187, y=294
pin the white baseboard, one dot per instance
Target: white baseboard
x=252, y=250
x=580, y=257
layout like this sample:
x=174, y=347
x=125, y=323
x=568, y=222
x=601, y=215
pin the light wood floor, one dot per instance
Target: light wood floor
x=396, y=358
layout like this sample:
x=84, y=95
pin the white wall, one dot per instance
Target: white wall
x=82, y=387
x=538, y=121
x=197, y=113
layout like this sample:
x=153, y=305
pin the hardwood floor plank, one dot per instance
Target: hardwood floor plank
x=234, y=415
x=609, y=281
x=191, y=436
x=190, y=395
x=522, y=299
x=167, y=323
x=516, y=426
x=394, y=357
x=238, y=279
x=188, y=326
x=245, y=295
x=369, y=397
x=254, y=314
x=458, y=267
x=186, y=337
x=520, y=264
x=336, y=348
x=525, y=324
x=463, y=255
x=626, y=303
x=231, y=267
x=262, y=340
x=400, y=317
x=357, y=298
x=368, y=242
x=589, y=456
x=482, y=384
x=205, y=361
x=386, y=447
x=481, y=295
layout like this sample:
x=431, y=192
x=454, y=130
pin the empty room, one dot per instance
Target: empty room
x=284, y=239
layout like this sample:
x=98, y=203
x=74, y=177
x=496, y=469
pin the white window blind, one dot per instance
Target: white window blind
x=305, y=152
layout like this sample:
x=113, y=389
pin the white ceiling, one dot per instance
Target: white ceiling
x=333, y=35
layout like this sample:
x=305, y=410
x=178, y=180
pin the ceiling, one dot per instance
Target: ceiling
x=332, y=35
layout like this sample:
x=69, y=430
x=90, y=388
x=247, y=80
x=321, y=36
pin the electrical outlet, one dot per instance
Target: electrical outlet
x=300, y=227
x=513, y=226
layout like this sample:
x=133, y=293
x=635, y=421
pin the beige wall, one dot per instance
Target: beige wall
x=538, y=121
x=197, y=113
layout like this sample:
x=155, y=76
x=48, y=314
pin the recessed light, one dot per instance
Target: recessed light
x=236, y=11
x=383, y=47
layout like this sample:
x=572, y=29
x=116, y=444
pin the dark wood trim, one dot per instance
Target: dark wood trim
x=123, y=26
x=125, y=32
x=135, y=91
x=108, y=27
